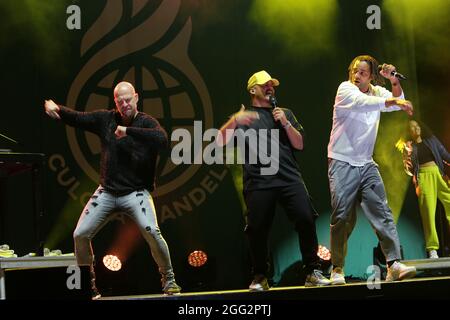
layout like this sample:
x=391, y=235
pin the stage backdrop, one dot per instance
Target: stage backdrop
x=189, y=61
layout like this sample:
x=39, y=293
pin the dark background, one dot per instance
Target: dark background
x=307, y=46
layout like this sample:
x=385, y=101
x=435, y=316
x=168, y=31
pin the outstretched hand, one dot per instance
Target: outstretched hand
x=406, y=106
x=245, y=118
x=52, y=109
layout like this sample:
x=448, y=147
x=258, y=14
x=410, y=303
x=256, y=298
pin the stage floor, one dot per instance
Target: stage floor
x=418, y=288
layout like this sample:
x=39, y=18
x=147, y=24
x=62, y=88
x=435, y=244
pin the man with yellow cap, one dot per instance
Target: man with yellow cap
x=263, y=191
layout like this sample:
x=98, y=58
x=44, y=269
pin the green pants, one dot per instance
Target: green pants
x=432, y=187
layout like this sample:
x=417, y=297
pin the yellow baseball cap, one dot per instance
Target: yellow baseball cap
x=261, y=77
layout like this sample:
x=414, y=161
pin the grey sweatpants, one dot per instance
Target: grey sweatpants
x=350, y=185
x=138, y=205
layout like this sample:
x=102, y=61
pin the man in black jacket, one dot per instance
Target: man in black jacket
x=130, y=143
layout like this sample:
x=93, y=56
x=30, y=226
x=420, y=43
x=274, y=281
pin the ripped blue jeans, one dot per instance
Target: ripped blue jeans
x=138, y=205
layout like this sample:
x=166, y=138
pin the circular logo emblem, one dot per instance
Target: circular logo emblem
x=169, y=86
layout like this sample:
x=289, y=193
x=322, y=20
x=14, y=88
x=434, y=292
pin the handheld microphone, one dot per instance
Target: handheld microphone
x=394, y=73
x=273, y=101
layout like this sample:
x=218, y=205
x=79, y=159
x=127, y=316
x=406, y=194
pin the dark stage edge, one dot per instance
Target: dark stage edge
x=419, y=288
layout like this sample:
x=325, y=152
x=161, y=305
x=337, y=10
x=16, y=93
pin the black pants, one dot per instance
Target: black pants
x=261, y=206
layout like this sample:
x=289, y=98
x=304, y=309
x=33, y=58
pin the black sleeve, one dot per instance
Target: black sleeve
x=89, y=121
x=293, y=120
x=443, y=151
x=150, y=132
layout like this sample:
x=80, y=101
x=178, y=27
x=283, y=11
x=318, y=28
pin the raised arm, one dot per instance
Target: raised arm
x=387, y=72
x=350, y=97
x=84, y=120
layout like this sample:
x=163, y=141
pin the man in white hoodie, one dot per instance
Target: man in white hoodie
x=353, y=174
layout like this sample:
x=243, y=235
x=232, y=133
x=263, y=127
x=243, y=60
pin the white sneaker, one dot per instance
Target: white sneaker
x=399, y=271
x=259, y=283
x=337, y=276
x=316, y=279
x=432, y=254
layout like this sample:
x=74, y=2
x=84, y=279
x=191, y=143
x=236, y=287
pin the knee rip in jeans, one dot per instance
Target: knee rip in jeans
x=153, y=232
x=92, y=207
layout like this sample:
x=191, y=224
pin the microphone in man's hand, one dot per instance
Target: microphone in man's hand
x=273, y=101
x=393, y=73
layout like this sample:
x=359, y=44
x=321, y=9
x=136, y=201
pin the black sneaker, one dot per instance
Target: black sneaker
x=94, y=291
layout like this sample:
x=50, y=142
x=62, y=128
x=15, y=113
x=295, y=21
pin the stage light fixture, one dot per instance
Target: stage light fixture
x=197, y=258
x=112, y=262
x=324, y=253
